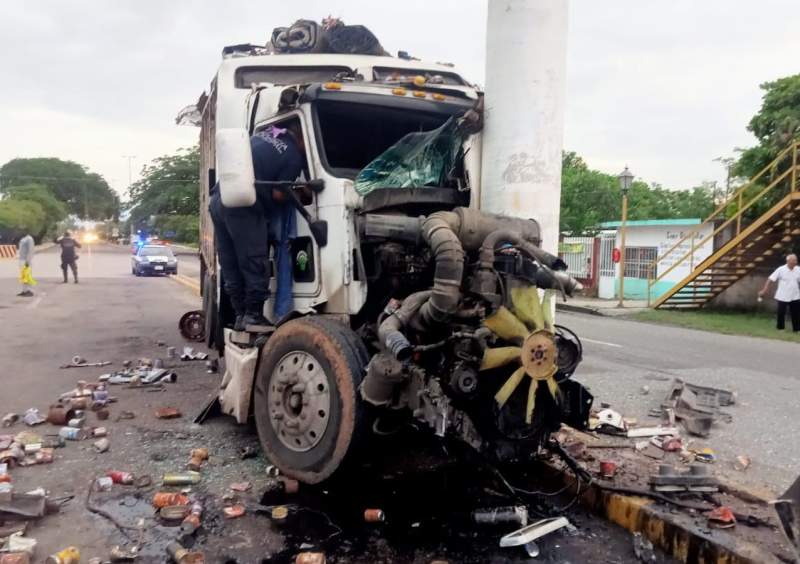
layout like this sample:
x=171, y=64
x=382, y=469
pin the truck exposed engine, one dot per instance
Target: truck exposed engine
x=409, y=303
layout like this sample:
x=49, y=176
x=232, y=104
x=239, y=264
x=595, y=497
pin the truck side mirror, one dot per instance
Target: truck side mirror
x=237, y=186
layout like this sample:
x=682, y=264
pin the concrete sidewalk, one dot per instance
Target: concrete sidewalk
x=596, y=306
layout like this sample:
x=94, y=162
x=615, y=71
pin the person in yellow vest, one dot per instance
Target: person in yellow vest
x=25, y=250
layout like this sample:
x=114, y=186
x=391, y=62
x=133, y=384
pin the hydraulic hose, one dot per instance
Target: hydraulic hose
x=390, y=331
x=438, y=232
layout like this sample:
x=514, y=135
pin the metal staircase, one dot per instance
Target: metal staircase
x=742, y=244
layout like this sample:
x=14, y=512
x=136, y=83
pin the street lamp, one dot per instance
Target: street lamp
x=625, y=180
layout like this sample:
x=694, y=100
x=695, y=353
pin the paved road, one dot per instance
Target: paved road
x=112, y=315
x=622, y=356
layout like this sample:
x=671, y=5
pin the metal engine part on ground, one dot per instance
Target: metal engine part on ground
x=788, y=509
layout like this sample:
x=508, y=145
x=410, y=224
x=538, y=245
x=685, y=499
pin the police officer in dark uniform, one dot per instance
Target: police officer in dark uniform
x=69, y=255
x=241, y=234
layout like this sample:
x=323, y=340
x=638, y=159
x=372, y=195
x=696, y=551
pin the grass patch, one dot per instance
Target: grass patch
x=728, y=322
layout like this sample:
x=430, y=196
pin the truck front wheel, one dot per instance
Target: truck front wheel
x=308, y=410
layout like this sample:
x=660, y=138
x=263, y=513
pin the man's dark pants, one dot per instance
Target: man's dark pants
x=794, y=311
x=72, y=264
x=242, y=243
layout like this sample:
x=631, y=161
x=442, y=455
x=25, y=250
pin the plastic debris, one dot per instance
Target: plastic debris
x=180, y=555
x=533, y=531
x=721, y=517
x=18, y=543
x=190, y=354
x=119, y=477
x=102, y=445
x=33, y=417
x=234, y=511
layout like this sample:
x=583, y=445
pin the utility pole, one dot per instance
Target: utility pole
x=625, y=181
x=130, y=173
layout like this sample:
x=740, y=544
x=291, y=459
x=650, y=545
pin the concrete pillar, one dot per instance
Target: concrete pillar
x=523, y=137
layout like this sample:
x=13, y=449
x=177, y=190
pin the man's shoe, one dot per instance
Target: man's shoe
x=26, y=294
x=257, y=323
x=238, y=325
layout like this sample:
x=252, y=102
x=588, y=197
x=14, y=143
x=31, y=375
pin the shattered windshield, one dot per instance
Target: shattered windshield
x=354, y=134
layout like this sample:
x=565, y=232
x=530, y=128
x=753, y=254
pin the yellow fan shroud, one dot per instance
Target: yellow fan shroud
x=529, y=324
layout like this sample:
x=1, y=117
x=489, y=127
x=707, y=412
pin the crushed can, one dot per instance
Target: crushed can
x=58, y=414
x=374, y=516
x=72, y=433
x=165, y=499
x=104, y=484
x=181, y=479
x=310, y=558
x=124, y=478
x=192, y=521
x=182, y=556
x=70, y=555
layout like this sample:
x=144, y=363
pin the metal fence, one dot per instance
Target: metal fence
x=577, y=253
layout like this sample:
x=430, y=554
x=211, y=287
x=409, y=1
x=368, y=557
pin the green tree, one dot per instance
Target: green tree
x=19, y=217
x=84, y=193
x=590, y=197
x=168, y=192
x=775, y=125
x=54, y=210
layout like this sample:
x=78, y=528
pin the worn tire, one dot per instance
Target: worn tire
x=342, y=357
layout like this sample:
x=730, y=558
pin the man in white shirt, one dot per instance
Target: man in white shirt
x=787, y=277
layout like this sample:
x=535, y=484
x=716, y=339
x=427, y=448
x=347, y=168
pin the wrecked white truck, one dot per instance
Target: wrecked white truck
x=410, y=304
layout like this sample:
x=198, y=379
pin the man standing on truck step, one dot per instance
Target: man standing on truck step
x=242, y=234
x=69, y=256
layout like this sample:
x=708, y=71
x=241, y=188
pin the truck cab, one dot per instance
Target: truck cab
x=407, y=298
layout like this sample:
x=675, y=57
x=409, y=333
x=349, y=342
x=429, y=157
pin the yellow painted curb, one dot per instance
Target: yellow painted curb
x=190, y=283
x=676, y=534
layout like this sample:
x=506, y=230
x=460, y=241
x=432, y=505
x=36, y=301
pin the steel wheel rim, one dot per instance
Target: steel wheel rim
x=299, y=401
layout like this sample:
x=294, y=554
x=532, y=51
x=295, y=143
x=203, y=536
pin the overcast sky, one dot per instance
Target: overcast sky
x=664, y=87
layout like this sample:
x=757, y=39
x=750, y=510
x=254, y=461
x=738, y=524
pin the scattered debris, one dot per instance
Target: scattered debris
x=69, y=555
x=171, y=353
x=610, y=422
x=787, y=507
x=251, y=452
x=123, y=415
x=651, y=432
x=310, y=558
x=119, y=477
x=197, y=457
x=742, y=463
x=181, y=479
x=721, y=517
x=212, y=366
x=168, y=413
x=102, y=445
x=234, y=511
x=83, y=363
x=697, y=479
x=18, y=543
x=180, y=555
x=608, y=468
x=279, y=515
x=192, y=521
x=10, y=419
x=174, y=513
x=104, y=484
x=120, y=554
x=527, y=536
x=643, y=548
x=705, y=455
x=190, y=354
x=32, y=417
x=697, y=407
x=513, y=514
x=165, y=499
x=240, y=486
x=644, y=390
x=375, y=516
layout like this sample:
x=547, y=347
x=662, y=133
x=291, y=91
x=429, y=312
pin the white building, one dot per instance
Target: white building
x=645, y=241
